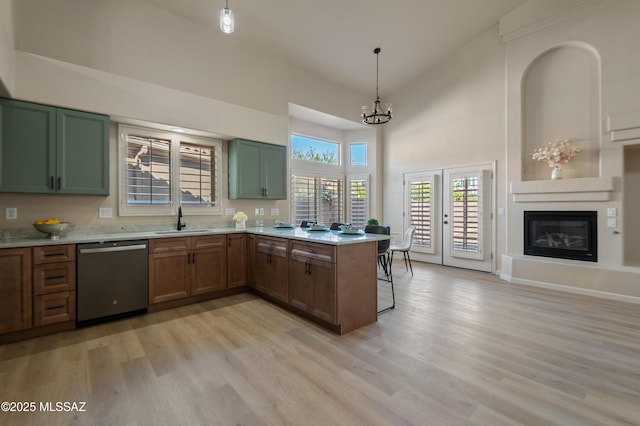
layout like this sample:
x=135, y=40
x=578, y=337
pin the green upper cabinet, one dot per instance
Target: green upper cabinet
x=257, y=170
x=52, y=150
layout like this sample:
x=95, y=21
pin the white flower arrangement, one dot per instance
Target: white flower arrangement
x=556, y=153
x=240, y=216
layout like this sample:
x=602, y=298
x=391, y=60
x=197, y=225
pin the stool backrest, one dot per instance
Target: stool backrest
x=383, y=245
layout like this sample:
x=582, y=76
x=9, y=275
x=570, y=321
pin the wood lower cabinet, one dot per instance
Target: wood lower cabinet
x=312, y=279
x=54, y=284
x=182, y=267
x=169, y=265
x=208, y=264
x=16, y=311
x=272, y=268
x=237, y=260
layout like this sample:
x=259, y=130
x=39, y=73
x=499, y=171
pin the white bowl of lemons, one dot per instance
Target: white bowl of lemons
x=52, y=227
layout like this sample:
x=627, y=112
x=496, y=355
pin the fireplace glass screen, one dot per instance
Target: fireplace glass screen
x=561, y=234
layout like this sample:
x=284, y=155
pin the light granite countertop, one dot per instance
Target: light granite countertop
x=296, y=233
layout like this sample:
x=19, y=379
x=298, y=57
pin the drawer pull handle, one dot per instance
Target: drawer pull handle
x=51, y=308
x=54, y=254
x=56, y=277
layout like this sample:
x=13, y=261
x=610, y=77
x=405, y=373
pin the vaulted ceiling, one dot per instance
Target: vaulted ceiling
x=336, y=38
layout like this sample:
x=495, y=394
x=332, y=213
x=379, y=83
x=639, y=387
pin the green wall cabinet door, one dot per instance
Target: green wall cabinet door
x=52, y=150
x=82, y=152
x=27, y=145
x=257, y=170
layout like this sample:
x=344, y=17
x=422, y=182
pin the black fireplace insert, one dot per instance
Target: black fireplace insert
x=561, y=234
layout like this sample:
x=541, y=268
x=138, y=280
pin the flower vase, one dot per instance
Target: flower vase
x=240, y=224
x=556, y=173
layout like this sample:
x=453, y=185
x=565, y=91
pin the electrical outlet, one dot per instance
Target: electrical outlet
x=229, y=211
x=612, y=222
x=275, y=211
x=257, y=211
x=11, y=213
x=261, y=211
x=612, y=212
x=105, y=213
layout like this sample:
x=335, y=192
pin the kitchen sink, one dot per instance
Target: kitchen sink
x=184, y=231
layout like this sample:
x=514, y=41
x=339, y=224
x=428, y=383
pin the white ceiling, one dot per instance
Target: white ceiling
x=336, y=38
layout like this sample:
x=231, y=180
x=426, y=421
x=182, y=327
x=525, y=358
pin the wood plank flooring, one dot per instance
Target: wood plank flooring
x=461, y=348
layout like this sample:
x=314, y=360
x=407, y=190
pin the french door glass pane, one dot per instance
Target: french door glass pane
x=465, y=212
x=420, y=211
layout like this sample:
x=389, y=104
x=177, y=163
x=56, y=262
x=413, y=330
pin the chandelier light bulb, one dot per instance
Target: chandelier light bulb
x=227, y=24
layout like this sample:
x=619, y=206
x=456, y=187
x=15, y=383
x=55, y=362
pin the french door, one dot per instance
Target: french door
x=451, y=210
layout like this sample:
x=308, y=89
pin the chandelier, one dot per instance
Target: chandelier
x=377, y=116
x=227, y=24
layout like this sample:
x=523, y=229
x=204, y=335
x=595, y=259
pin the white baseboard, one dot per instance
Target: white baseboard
x=575, y=290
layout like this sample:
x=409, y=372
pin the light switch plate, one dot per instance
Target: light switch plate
x=229, y=211
x=612, y=222
x=11, y=213
x=612, y=212
x=256, y=211
x=105, y=213
x=261, y=211
x=275, y=211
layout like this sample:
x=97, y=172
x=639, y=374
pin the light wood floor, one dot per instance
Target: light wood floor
x=461, y=347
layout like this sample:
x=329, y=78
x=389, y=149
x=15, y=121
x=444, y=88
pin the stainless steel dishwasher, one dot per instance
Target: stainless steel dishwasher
x=112, y=281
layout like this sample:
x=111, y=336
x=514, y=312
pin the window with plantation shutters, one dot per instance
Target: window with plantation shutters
x=317, y=199
x=358, y=199
x=148, y=171
x=165, y=170
x=303, y=199
x=331, y=204
x=197, y=176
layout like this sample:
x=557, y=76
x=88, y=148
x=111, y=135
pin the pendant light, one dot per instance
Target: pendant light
x=377, y=116
x=227, y=24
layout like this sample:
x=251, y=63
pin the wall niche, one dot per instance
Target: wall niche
x=561, y=100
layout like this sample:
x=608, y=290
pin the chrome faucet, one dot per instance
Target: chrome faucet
x=180, y=225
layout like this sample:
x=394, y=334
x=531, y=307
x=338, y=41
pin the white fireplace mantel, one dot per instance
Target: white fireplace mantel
x=582, y=189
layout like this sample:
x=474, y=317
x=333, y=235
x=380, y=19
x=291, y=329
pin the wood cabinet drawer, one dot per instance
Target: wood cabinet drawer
x=58, y=253
x=317, y=252
x=164, y=245
x=54, y=277
x=274, y=246
x=54, y=307
x=209, y=241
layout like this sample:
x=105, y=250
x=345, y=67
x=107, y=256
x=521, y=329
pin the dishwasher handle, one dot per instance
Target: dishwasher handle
x=113, y=248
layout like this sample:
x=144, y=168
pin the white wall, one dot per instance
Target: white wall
x=453, y=116
x=610, y=29
x=6, y=48
x=129, y=59
x=137, y=40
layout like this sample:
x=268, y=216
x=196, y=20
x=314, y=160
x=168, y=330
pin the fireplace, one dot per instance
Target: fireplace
x=561, y=234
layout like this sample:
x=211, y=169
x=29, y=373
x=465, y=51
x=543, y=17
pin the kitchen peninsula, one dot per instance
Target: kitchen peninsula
x=327, y=277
